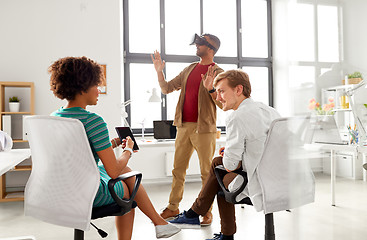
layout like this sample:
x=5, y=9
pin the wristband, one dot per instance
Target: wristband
x=115, y=143
x=211, y=91
x=129, y=149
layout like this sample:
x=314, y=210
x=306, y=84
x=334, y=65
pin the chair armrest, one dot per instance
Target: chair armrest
x=230, y=196
x=125, y=203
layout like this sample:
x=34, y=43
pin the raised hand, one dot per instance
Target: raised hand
x=209, y=79
x=157, y=61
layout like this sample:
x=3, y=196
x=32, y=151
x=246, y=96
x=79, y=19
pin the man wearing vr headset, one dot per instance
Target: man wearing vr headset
x=195, y=116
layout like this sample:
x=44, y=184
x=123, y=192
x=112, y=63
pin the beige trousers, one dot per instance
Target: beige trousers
x=188, y=140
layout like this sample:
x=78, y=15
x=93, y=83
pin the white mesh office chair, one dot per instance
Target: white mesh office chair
x=284, y=173
x=65, y=178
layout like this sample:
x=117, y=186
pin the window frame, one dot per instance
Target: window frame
x=240, y=61
x=317, y=64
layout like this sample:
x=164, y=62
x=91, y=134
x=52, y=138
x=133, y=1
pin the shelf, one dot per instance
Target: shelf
x=19, y=140
x=13, y=196
x=25, y=91
x=23, y=168
x=17, y=84
x=340, y=87
x=21, y=113
x=342, y=110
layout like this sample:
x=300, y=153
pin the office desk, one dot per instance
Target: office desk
x=333, y=148
x=8, y=160
x=155, y=160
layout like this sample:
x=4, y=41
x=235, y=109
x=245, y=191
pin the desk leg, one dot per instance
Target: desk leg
x=2, y=186
x=333, y=178
x=364, y=160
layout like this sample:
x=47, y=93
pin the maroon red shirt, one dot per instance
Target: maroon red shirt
x=190, y=107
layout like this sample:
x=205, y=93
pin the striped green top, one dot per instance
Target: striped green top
x=95, y=127
x=98, y=137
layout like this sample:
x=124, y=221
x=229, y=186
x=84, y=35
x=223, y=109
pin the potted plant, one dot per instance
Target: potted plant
x=14, y=104
x=355, y=78
x=326, y=109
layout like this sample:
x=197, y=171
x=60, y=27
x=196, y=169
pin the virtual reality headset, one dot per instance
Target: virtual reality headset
x=201, y=40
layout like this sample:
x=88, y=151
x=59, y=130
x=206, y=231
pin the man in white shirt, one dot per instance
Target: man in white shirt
x=247, y=128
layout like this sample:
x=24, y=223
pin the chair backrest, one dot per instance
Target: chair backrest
x=284, y=171
x=64, y=178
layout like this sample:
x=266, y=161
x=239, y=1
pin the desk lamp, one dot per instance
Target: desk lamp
x=153, y=98
x=124, y=114
x=350, y=93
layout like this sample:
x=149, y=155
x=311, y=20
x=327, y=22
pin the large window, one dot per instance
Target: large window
x=314, y=52
x=243, y=26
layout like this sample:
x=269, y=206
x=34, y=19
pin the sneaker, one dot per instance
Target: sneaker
x=182, y=221
x=166, y=231
x=217, y=236
x=207, y=219
x=168, y=214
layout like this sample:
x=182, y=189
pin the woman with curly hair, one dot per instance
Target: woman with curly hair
x=76, y=79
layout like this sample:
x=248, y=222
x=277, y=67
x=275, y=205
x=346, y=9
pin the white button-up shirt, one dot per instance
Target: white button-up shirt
x=247, y=129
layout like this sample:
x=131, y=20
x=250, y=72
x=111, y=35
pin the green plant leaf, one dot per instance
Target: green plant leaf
x=14, y=99
x=355, y=75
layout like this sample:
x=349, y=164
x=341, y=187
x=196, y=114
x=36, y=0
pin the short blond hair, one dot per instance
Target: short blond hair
x=236, y=77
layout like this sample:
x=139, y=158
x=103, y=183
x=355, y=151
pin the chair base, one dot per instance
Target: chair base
x=78, y=234
x=269, y=237
x=269, y=227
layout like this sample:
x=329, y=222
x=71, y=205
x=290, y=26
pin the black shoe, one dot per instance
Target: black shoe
x=220, y=236
x=217, y=236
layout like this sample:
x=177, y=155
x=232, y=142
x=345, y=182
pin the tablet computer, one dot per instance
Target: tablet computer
x=123, y=132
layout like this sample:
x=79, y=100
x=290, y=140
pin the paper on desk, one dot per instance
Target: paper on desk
x=2, y=141
x=6, y=143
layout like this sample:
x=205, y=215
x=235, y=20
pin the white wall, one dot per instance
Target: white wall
x=34, y=33
x=355, y=46
x=355, y=36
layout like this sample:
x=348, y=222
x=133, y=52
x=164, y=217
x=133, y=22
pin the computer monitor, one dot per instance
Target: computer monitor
x=164, y=130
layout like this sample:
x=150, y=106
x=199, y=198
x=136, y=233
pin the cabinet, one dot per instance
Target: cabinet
x=338, y=93
x=347, y=165
x=342, y=110
x=24, y=91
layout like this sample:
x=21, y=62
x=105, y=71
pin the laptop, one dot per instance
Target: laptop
x=326, y=131
x=164, y=130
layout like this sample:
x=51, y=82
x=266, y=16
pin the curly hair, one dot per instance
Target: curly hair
x=73, y=75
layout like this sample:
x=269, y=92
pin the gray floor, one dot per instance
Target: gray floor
x=315, y=221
